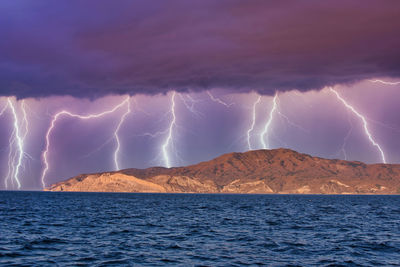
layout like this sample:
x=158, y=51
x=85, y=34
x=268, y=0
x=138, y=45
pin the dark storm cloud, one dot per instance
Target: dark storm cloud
x=99, y=47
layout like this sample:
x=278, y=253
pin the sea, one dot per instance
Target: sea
x=129, y=229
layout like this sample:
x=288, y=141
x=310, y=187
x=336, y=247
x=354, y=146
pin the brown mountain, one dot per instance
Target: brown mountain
x=280, y=171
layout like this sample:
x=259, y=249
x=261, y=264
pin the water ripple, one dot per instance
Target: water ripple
x=94, y=229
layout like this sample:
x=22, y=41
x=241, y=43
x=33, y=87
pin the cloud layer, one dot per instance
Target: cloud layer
x=98, y=47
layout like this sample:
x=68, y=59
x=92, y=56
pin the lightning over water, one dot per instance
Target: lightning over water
x=137, y=84
x=364, y=122
x=167, y=147
x=11, y=158
x=253, y=122
x=169, y=139
x=190, y=123
x=267, y=126
x=116, y=135
x=81, y=117
x=16, y=142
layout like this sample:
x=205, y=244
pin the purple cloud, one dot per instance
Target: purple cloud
x=95, y=48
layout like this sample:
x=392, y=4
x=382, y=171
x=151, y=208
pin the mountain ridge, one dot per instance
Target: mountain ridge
x=279, y=171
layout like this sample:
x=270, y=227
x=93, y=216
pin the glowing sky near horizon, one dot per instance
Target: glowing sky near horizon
x=98, y=85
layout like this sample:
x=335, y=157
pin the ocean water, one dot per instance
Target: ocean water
x=105, y=229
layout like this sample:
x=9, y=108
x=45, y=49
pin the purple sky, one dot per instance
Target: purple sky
x=87, y=56
x=97, y=47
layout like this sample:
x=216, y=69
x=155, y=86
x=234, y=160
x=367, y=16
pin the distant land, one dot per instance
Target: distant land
x=277, y=171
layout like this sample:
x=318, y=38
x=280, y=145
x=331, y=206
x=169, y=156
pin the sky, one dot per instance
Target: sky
x=90, y=86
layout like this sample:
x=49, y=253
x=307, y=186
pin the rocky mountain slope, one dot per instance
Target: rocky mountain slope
x=280, y=171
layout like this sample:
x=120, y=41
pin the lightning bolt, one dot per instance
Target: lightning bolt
x=253, y=123
x=9, y=174
x=17, y=137
x=384, y=82
x=364, y=122
x=168, y=140
x=81, y=117
x=218, y=100
x=25, y=119
x=116, y=136
x=167, y=145
x=345, y=140
x=11, y=140
x=3, y=109
x=288, y=121
x=190, y=104
x=10, y=160
x=269, y=121
x=12, y=175
x=343, y=148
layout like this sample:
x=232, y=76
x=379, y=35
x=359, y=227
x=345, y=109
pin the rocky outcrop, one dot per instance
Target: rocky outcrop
x=279, y=171
x=108, y=182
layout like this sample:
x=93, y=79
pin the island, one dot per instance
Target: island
x=276, y=171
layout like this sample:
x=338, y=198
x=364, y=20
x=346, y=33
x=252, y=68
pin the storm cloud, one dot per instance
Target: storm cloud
x=98, y=47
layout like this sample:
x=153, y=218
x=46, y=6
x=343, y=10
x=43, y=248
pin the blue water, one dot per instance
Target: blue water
x=103, y=229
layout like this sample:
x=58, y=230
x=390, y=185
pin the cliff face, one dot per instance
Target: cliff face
x=281, y=171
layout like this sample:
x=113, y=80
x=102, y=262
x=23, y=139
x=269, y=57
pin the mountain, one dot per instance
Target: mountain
x=279, y=171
